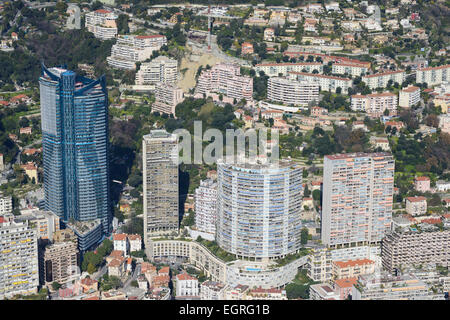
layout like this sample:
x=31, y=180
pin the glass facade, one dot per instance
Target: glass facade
x=74, y=112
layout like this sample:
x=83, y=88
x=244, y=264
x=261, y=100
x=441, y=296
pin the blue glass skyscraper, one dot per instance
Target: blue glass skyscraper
x=74, y=113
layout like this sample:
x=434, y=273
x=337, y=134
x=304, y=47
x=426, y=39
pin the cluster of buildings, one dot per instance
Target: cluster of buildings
x=102, y=23
x=225, y=79
x=130, y=49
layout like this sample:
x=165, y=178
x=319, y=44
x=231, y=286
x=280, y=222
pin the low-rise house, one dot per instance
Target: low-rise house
x=343, y=287
x=186, y=285
x=266, y=294
x=212, y=290
x=236, y=293
x=31, y=171
x=246, y=48
x=352, y=268
x=322, y=291
x=380, y=142
x=422, y=184
x=416, y=206
x=113, y=295
x=117, y=267
x=25, y=130
x=89, y=285
x=442, y=186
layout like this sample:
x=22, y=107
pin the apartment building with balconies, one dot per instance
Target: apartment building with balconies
x=358, y=193
x=413, y=247
x=388, y=287
x=225, y=79
x=130, y=49
x=205, y=206
x=381, y=80
x=5, y=204
x=259, y=209
x=167, y=96
x=61, y=262
x=291, y=92
x=160, y=190
x=433, y=76
x=162, y=70
x=351, y=69
x=102, y=23
x=283, y=69
x=409, y=97
x=319, y=267
x=19, y=270
x=375, y=104
x=326, y=83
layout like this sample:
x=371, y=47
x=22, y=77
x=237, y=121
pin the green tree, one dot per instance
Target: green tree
x=56, y=285
x=91, y=268
x=316, y=195
x=304, y=236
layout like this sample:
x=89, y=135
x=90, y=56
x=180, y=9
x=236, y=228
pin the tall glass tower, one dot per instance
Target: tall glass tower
x=74, y=112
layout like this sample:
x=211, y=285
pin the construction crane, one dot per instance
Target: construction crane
x=209, y=26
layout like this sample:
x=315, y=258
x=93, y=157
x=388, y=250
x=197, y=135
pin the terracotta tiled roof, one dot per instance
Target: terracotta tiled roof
x=416, y=199
x=411, y=89
x=345, y=283
x=353, y=263
x=88, y=281
x=185, y=276
x=383, y=74
x=116, y=254
x=435, y=68
x=119, y=237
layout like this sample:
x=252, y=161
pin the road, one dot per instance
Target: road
x=26, y=147
x=136, y=273
x=100, y=272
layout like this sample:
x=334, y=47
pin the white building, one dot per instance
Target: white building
x=349, y=68
x=205, y=206
x=160, y=183
x=291, y=92
x=357, y=198
x=380, y=80
x=19, y=272
x=416, y=206
x=442, y=186
x=120, y=242
x=212, y=290
x=102, y=23
x=135, y=241
x=433, y=75
x=409, y=97
x=326, y=83
x=225, y=79
x=388, y=287
x=322, y=291
x=320, y=264
x=375, y=104
x=167, y=96
x=161, y=69
x=444, y=123
x=186, y=285
x=130, y=49
x=282, y=69
x=5, y=205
